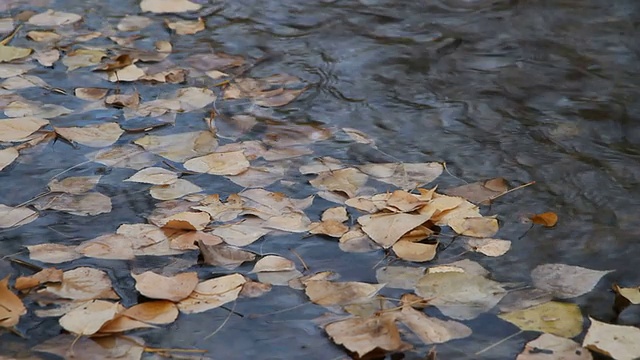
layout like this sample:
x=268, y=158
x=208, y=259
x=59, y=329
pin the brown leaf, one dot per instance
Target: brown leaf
x=547, y=219
x=87, y=204
x=83, y=283
x=53, y=253
x=325, y=293
x=348, y=181
x=43, y=276
x=226, y=163
x=174, y=288
x=363, y=335
x=386, y=228
x=89, y=318
x=480, y=191
x=11, y=307
x=10, y=216
x=413, y=251
x=223, y=255
x=481, y=227
x=271, y=263
x=74, y=184
x=213, y=293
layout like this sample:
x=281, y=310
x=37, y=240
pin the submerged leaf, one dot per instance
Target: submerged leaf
x=325, y=293
x=562, y=319
x=566, y=281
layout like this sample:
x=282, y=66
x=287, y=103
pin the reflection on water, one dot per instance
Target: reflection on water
x=527, y=90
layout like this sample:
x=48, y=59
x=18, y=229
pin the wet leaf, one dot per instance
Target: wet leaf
x=347, y=181
x=11, y=217
x=279, y=278
x=255, y=177
x=7, y=156
x=17, y=129
x=53, y=253
x=74, y=184
x=330, y=227
x=254, y=289
x=358, y=136
x=153, y=312
x=134, y=23
x=271, y=263
x=179, y=147
x=86, y=204
x=404, y=176
x=523, y=298
x=481, y=227
x=9, y=53
x=186, y=27
x=432, y=330
x=213, y=293
x=329, y=293
x=631, y=294
x=241, y=234
x=294, y=221
x=399, y=277
x=127, y=156
x=547, y=219
x=83, y=283
x=174, y=288
x=176, y=190
x=168, y=6
x=566, y=281
x=41, y=277
x=90, y=94
x=89, y=318
x=110, y=347
x=363, y=335
x=11, y=307
x=225, y=256
x=226, y=163
x=387, y=228
x=617, y=341
x=562, y=319
x=52, y=18
x=480, y=191
x=551, y=347
x=413, y=251
x=461, y=296
x=83, y=58
x=489, y=247
x=127, y=73
x=187, y=220
x=93, y=135
x=110, y=246
x=155, y=176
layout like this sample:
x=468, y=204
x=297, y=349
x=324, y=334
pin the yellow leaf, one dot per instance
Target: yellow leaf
x=562, y=319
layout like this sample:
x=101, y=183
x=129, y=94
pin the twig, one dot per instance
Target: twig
x=508, y=191
x=499, y=342
x=306, y=268
x=224, y=322
x=255, y=316
x=444, y=164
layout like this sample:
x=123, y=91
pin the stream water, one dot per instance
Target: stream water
x=529, y=90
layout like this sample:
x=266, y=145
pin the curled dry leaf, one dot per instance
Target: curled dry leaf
x=154, y=176
x=175, y=190
x=11, y=216
x=631, y=294
x=481, y=227
x=213, y=293
x=562, y=319
x=617, y=341
x=271, y=263
x=48, y=275
x=74, y=184
x=11, y=307
x=225, y=163
x=83, y=283
x=87, y=319
x=363, y=335
x=547, y=219
x=174, y=288
x=329, y=293
x=566, y=281
x=551, y=347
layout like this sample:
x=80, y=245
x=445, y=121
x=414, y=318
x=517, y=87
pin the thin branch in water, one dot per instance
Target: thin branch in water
x=499, y=342
x=304, y=264
x=224, y=322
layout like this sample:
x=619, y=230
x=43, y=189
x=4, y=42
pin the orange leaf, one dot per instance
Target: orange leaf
x=548, y=219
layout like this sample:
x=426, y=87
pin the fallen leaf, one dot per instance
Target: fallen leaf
x=363, y=335
x=131, y=100
x=566, y=281
x=83, y=283
x=329, y=293
x=331, y=228
x=100, y=135
x=321, y=165
x=89, y=318
x=617, y=341
x=19, y=128
x=254, y=289
x=355, y=240
x=83, y=58
x=86, y=204
x=294, y=221
x=631, y=294
x=520, y=299
x=186, y=27
x=461, y=296
x=109, y=347
x=54, y=18
x=168, y=6
x=41, y=277
x=359, y=137
x=480, y=191
x=547, y=219
x=155, y=176
x=15, y=216
x=53, y=253
x=278, y=278
x=74, y=184
x=187, y=220
x=43, y=36
x=404, y=176
x=223, y=255
x=241, y=234
x=226, y=163
x=180, y=147
x=110, y=246
x=255, y=177
x=414, y=251
x=134, y=23
x=562, y=319
x=347, y=181
x=127, y=73
x=272, y=263
x=481, y=227
x=551, y=347
x=174, y=288
x=153, y=312
x=335, y=213
x=127, y=156
x=176, y=190
x=489, y=247
x=399, y=277
x=7, y=156
x=432, y=330
x=213, y=293
x=387, y=228
x=11, y=307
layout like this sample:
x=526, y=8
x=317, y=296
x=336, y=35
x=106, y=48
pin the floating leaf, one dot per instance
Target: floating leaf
x=225, y=163
x=53, y=253
x=413, y=251
x=432, y=330
x=562, y=319
x=88, y=319
x=74, y=184
x=83, y=283
x=110, y=347
x=387, y=228
x=213, y=293
x=186, y=27
x=363, y=335
x=11, y=307
x=272, y=263
x=86, y=204
x=176, y=190
x=153, y=312
x=459, y=295
x=399, y=277
x=93, y=135
x=7, y=156
x=174, y=288
x=168, y=6
x=10, y=216
x=566, y=281
x=547, y=219
x=631, y=294
x=331, y=228
x=328, y=293
x=9, y=53
x=255, y=177
x=617, y=341
x=19, y=128
x=155, y=176
x=223, y=255
x=404, y=176
x=475, y=226
x=187, y=220
x=551, y=347
x=348, y=181
x=480, y=191
x=241, y=234
x=489, y=247
x=134, y=23
x=41, y=277
x=110, y=246
x=180, y=147
x=279, y=278
x=127, y=156
x=54, y=18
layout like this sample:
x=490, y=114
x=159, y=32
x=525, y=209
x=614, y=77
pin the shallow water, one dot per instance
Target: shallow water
x=527, y=90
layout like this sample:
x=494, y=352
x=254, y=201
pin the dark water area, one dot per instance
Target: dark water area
x=529, y=90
